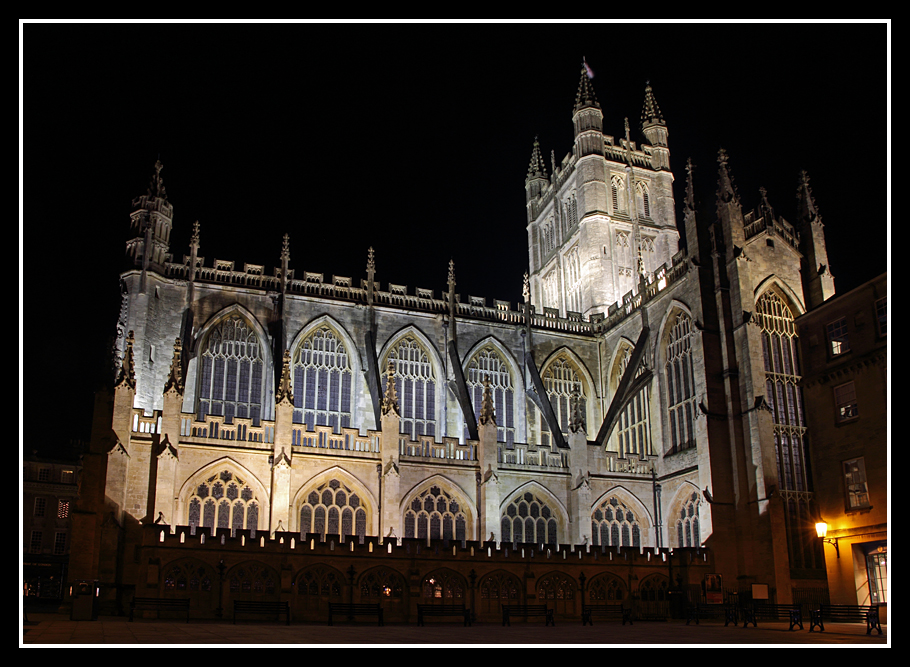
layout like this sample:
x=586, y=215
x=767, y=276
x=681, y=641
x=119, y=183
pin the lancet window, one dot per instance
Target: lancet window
x=224, y=501
x=681, y=385
x=230, y=381
x=780, y=346
x=415, y=384
x=333, y=508
x=687, y=533
x=488, y=363
x=322, y=378
x=614, y=524
x=618, y=192
x=435, y=514
x=528, y=518
x=644, y=201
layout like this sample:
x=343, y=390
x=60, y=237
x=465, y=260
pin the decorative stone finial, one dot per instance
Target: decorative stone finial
x=577, y=412
x=286, y=248
x=690, y=185
x=526, y=288
x=390, y=399
x=127, y=376
x=284, y=384
x=371, y=261
x=451, y=274
x=726, y=192
x=175, y=376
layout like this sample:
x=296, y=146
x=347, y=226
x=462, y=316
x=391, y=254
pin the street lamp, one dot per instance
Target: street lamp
x=821, y=529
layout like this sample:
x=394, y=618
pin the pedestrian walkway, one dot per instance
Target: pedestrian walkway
x=43, y=629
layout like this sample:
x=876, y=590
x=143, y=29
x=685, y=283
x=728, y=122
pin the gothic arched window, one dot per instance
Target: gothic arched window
x=528, y=518
x=223, y=500
x=322, y=377
x=333, y=508
x=613, y=524
x=573, y=280
x=681, y=385
x=415, y=384
x=633, y=431
x=618, y=192
x=230, y=378
x=687, y=533
x=435, y=514
x=780, y=347
x=644, y=202
x=561, y=379
x=488, y=363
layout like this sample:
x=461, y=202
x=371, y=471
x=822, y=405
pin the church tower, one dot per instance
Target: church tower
x=604, y=221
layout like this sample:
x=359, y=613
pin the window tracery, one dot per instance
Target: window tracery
x=322, y=378
x=687, y=531
x=561, y=379
x=415, y=383
x=614, y=524
x=489, y=364
x=633, y=431
x=528, y=519
x=435, y=514
x=681, y=385
x=333, y=508
x=230, y=382
x=223, y=500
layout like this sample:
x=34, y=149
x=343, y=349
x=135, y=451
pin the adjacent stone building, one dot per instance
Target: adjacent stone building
x=643, y=400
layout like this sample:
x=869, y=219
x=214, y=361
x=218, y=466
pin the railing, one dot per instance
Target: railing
x=426, y=447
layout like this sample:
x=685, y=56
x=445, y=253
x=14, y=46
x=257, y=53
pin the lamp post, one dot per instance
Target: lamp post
x=821, y=529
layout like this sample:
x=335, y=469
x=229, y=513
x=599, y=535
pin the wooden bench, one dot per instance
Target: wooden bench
x=168, y=604
x=424, y=610
x=701, y=610
x=846, y=613
x=262, y=607
x=792, y=612
x=352, y=610
x=588, y=612
x=527, y=610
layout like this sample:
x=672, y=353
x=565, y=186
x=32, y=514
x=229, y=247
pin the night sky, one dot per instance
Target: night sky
x=412, y=139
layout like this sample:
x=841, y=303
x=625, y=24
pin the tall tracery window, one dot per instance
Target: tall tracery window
x=644, y=200
x=623, y=254
x=780, y=346
x=322, y=376
x=606, y=587
x=633, y=431
x=560, y=380
x=333, y=508
x=488, y=363
x=528, y=518
x=551, y=290
x=573, y=280
x=230, y=382
x=687, y=533
x=613, y=524
x=435, y=514
x=681, y=385
x=498, y=588
x=223, y=500
x=415, y=384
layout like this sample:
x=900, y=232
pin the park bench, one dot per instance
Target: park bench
x=791, y=612
x=617, y=611
x=526, y=610
x=168, y=604
x=351, y=610
x=263, y=607
x=846, y=613
x=701, y=610
x=424, y=610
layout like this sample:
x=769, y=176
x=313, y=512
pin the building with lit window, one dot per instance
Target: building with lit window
x=845, y=355
x=644, y=398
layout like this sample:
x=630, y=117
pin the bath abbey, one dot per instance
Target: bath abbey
x=634, y=425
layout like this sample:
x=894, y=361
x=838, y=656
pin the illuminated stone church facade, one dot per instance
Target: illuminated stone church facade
x=644, y=395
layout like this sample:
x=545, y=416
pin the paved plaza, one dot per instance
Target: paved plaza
x=48, y=629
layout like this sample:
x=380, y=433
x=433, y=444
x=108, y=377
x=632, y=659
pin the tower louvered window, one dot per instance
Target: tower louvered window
x=230, y=382
x=644, y=201
x=415, y=384
x=322, y=382
x=618, y=192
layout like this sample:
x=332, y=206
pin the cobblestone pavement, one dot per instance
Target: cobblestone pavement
x=44, y=629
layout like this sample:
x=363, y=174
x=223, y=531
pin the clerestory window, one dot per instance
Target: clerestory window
x=322, y=380
x=230, y=382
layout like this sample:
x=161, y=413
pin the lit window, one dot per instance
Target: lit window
x=322, y=382
x=67, y=476
x=845, y=399
x=855, y=484
x=63, y=509
x=230, y=381
x=837, y=337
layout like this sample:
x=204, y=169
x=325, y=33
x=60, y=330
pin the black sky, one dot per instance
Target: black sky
x=412, y=139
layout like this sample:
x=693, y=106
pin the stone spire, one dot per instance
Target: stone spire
x=690, y=186
x=156, y=184
x=766, y=209
x=806, y=211
x=537, y=168
x=284, y=392
x=390, y=399
x=487, y=412
x=726, y=192
x=127, y=375
x=818, y=281
x=585, y=97
x=650, y=112
x=174, y=380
